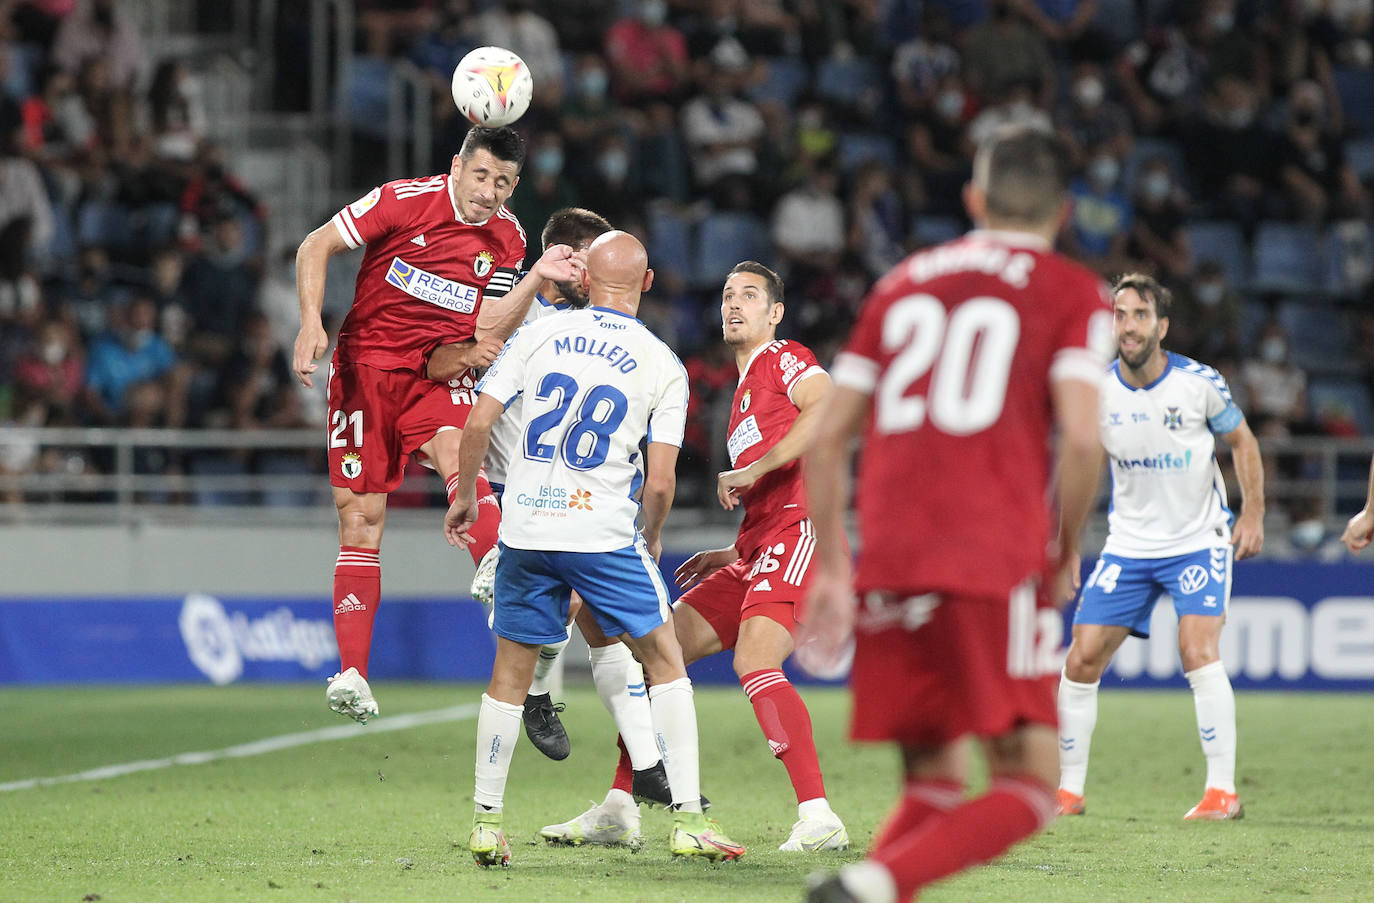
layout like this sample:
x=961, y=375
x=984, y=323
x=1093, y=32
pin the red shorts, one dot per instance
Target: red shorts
x=930, y=669
x=378, y=418
x=768, y=585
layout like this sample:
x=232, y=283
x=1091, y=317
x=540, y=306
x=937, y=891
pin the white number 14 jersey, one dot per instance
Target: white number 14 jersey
x=1168, y=496
x=593, y=383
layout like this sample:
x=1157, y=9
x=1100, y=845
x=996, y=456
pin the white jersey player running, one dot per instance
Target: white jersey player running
x=1169, y=531
x=596, y=383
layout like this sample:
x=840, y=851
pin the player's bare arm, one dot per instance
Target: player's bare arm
x=312, y=258
x=807, y=395
x=703, y=564
x=828, y=613
x=472, y=451
x=501, y=317
x=452, y=360
x=1360, y=529
x=660, y=483
x=1248, y=534
x=1079, y=471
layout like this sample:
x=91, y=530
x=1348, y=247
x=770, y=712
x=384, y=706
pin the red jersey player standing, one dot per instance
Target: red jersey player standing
x=439, y=251
x=744, y=597
x=964, y=359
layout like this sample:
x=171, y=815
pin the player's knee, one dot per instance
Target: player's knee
x=1086, y=662
x=1197, y=655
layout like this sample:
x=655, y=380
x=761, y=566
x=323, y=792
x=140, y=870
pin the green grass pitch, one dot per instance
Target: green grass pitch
x=384, y=816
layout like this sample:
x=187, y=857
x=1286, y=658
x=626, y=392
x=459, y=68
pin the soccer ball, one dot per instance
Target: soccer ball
x=492, y=86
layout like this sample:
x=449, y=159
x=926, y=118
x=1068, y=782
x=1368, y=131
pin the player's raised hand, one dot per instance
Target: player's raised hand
x=1248, y=535
x=702, y=564
x=462, y=514
x=311, y=343
x=730, y=483
x=559, y=263
x=1359, y=531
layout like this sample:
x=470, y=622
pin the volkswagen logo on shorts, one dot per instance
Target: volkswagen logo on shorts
x=1193, y=578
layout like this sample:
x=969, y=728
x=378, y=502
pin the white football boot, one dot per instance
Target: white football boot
x=348, y=694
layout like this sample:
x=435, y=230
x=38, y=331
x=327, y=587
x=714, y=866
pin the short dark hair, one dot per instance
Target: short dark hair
x=1022, y=172
x=573, y=226
x=771, y=279
x=504, y=143
x=1147, y=287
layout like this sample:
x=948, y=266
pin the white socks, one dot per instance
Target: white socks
x=1077, y=718
x=548, y=670
x=675, y=726
x=498, y=727
x=1216, y=723
x=620, y=683
x=869, y=882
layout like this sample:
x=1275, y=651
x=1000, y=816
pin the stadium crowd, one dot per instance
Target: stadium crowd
x=1224, y=146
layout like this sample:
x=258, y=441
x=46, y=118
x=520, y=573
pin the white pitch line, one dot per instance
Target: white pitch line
x=257, y=747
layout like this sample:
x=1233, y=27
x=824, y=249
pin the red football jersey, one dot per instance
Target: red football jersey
x=958, y=346
x=762, y=414
x=424, y=274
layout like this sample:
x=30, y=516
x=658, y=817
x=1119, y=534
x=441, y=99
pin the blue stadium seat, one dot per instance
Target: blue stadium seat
x=670, y=242
x=1222, y=241
x=1289, y=257
x=931, y=230
x=723, y=240
x=846, y=81
x=784, y=78
x=1359, y=153
x=1318, y=335
x=367, y=95
x=859, y=147
x=1356, y=90
x=1342, y=395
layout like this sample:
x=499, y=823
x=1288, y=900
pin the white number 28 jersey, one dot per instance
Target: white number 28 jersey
x=593, y=383
x=1168, y=496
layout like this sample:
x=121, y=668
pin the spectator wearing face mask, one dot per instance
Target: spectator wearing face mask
x=1089, y=119
x=1158, y=237
x=1277, y=387
x=1230, y=153
x=543, y=187
x=589, y=110
x=1161, y=79
x=936, y=143
x=1206, y=325
x=53, y=369
x=648, y=56
x=1313, y=171
x=1100, y=222
x=128, y=353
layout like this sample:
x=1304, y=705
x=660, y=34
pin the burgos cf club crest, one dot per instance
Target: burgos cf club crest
x=482, y=264
x=351, y=465
x=1172, y=418
x=744, y=402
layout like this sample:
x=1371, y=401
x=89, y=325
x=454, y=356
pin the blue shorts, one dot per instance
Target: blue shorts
x=623, y=589
x=1123, y=591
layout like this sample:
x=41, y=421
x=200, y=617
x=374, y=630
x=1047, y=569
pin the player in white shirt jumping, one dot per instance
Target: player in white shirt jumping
x=1169, y=531
x=595, y=382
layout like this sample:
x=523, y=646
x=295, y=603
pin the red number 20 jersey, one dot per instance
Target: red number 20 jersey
x=424, y=274
x=762, y=414
x=958, y=346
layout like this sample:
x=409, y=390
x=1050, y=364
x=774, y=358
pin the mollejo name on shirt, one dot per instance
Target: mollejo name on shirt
x=616, y=356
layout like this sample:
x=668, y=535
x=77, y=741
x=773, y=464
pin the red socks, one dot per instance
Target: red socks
x=357, y=590
x=624, y=769
x=920, y=800
x=488, y=526
x=787, y=726
x=945, y=843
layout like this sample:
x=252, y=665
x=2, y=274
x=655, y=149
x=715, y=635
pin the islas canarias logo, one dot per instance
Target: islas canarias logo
x=581, y=498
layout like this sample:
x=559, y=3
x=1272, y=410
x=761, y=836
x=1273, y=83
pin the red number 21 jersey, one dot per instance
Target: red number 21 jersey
x=424, y=274
x=762, y=414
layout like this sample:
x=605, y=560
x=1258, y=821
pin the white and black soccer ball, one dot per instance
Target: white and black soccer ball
x=492, y=86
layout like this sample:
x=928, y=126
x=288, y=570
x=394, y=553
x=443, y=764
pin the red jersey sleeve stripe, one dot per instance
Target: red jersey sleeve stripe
x=809, y=371
x=343, y=223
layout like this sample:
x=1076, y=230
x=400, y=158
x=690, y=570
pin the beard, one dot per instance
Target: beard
x=1142, y=356
x=572, y=293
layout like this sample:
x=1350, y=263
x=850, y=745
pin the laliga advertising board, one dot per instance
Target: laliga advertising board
x=1291, y=626
x=492, y=86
